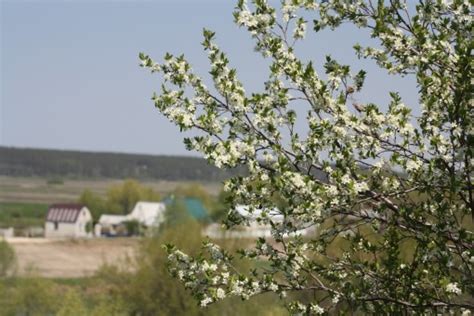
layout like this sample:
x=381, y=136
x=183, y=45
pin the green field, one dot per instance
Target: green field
x=22, y=215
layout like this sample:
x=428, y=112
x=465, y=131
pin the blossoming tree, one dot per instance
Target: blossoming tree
x=379, y=182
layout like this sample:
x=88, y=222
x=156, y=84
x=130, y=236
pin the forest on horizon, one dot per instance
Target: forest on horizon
x=27, y=162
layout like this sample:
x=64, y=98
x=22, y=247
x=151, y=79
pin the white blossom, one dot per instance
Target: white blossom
x=206, y=301
x=364, y=173
x=453, y=288
x=318, y=310
x=220, y=293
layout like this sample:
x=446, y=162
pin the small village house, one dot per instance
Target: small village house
x=193, y=206
x=254, y=229
x=148, y=213
x=68, y=221
x=110, y=224
x=6, y=233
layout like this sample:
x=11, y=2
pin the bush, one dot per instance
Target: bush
x=133, y=227
x=150, y=290
x=109, y=307
x=72, y=304
x=55, y=181
x=7, y=259
x=32, y=296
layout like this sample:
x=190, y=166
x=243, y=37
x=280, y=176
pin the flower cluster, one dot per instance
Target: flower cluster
x=387, y=195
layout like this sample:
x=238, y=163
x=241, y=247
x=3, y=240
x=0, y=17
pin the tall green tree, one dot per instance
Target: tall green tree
x=195, y=190
x=353, y=174
x=122, y=198
x=94, y=202
x=119, y=199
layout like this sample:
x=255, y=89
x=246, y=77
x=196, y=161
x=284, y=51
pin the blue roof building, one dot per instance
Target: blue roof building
x=193, y=206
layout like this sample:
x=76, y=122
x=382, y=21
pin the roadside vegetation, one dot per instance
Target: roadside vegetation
x=7, y=259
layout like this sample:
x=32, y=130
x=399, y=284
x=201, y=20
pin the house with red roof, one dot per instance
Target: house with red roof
x=68, y=220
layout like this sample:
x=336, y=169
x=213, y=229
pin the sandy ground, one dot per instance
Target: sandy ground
x=69, y=258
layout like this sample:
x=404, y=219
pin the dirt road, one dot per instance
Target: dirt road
x=69, y=258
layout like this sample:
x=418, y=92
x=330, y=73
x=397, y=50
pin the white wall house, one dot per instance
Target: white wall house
x=148, y=213
x=68, y=220
x=254, y=228
x=6, y=233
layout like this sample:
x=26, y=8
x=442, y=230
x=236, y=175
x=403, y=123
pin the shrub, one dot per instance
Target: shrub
x=7, y=259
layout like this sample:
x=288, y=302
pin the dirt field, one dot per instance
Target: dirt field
x=37, y=190
x=69, y=258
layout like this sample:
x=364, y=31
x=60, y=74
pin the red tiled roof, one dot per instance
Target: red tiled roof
x=64, y=213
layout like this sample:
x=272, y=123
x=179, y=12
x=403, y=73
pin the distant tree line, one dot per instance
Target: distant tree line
x=76, y=164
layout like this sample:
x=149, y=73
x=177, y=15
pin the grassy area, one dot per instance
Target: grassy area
x=21, y=215
x=42, y=191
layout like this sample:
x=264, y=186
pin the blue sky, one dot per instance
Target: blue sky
x=70, y=77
